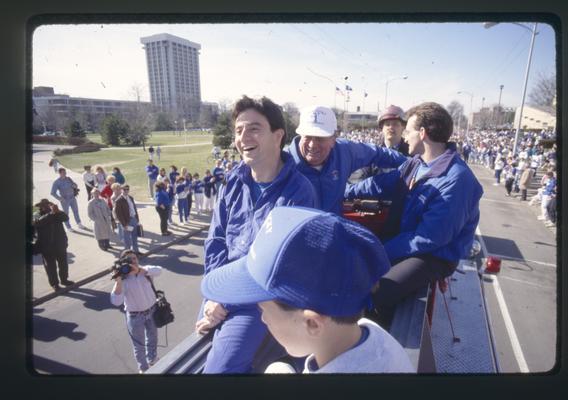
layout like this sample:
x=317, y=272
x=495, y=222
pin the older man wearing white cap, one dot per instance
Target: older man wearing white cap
x=328, y=161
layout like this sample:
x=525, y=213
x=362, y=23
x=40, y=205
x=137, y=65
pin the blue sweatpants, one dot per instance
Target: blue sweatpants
x=183, y=209
x=236, y=341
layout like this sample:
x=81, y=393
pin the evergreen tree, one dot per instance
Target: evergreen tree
x=223, y=131
x=164, y=122
x=74, y=129
x=114, y=129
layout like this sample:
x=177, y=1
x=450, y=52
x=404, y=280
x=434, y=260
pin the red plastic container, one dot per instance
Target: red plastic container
x=492, y=265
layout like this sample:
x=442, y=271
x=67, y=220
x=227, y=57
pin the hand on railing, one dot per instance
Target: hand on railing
x=213, y=314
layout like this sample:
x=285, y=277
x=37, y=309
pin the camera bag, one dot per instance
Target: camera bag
x=163, y=314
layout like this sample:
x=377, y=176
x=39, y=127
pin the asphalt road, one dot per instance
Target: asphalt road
x=82, y=333
x=522, y=298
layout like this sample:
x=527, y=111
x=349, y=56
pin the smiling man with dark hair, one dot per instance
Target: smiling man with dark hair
x=266, y=178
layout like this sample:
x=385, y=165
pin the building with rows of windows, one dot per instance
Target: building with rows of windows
x=173, y=75
x=52, y=111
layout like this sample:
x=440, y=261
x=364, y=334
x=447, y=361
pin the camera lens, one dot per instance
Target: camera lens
x=125, y=268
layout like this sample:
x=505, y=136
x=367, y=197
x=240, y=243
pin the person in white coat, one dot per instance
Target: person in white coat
x=100, y=214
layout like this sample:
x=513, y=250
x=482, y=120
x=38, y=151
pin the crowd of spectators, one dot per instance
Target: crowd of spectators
x=493, y=149
x=535, y=156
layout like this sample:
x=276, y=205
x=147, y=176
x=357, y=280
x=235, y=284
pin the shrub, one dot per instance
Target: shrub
x=88, y=147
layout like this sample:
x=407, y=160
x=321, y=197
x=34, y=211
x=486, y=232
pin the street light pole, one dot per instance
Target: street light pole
x=387, y=87
x=488, y=25
x=524, y=90
x=498, y=121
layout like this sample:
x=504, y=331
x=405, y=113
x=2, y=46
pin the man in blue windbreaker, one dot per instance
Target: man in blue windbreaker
x=266, y=178
x=328, y=161
x=439, y=196
x=152, y=173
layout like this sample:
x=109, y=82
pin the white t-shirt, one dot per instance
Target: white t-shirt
x=379, y=353
x=88, y=178
x=130, y=207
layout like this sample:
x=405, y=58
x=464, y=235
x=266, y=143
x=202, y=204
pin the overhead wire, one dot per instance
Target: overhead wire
x=505, y=63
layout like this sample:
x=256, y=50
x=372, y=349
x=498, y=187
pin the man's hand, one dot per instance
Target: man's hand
x=213, y=314
x=205, y=324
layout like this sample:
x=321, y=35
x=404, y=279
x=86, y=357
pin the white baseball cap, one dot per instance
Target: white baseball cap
x=317, y=121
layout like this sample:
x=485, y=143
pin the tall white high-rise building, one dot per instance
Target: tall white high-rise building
x=173, y=74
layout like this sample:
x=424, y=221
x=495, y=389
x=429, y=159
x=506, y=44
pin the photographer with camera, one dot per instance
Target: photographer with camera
x=133, y=288
x=52, y=243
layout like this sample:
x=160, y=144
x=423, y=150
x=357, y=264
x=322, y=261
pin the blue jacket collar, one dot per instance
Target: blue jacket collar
x=243, y=171
x=439, y=167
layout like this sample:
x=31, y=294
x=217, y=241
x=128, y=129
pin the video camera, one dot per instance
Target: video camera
x=121, y=267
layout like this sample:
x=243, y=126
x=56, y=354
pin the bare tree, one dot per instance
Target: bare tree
x=456, y=111
x=544, y=90
x=225, y=104
x=136, y=91
x=139, y=118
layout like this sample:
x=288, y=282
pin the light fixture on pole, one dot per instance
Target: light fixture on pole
x=387, y=87
x=470, y=111
x=488, y=25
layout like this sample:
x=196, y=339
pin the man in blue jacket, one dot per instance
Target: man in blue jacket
x=152, y=173
x=439, y=197
x=219, y=174
x=327, y=161
x=266, y=178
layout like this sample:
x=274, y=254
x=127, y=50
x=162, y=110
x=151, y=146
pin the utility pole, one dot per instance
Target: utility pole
x=498, y=122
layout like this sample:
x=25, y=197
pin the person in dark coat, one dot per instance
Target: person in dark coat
x=52, y=242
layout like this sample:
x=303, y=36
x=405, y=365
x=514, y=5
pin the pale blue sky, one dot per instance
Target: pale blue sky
x=303, y=63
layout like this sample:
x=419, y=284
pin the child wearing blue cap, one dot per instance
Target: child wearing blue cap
x=311, y=274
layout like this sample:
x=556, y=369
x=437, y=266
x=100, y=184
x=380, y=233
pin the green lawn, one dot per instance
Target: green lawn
x=132, y=161
x=166, y=138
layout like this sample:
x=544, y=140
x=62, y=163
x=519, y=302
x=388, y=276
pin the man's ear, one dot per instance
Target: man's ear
x=314, y=322
x=280, y=132
x=423, y=133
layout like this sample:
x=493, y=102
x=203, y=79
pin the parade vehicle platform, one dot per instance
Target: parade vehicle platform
x=442, y=332
x=443, y=327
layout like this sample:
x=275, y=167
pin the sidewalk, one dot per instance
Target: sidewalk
x=534, y=185
x=85, y=258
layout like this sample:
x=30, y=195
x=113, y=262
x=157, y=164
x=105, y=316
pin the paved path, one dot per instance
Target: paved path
x=84, y=256
x=167, y=145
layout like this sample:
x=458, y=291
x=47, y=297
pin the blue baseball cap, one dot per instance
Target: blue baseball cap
x=306, y=258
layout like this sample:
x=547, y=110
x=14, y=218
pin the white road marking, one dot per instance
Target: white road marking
x=517, y=350
x=527, y=282
x=522, y=260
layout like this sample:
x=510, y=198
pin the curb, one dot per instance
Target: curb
x=50, y=296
